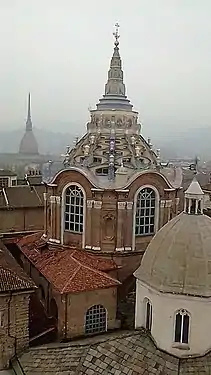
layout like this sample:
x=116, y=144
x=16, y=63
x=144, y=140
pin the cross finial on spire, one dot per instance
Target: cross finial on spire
x=116, y=34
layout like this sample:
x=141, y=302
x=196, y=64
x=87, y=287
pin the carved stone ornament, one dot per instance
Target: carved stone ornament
x=89, y=203
x=129, y=205
x=97, y=204
x=177, y=201
x=121, y=205
x=168, y=203
x=162, y=203
x=52, y=199
x=109, y=226
x=58, y=200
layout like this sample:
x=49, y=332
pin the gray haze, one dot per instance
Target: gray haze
x=60, y=50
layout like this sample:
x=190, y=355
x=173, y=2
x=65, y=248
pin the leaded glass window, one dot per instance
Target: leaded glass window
x=96, y=319
x=145, y=212
x=181, y=333
x=74, y=209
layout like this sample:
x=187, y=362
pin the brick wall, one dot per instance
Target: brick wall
x=14, y=333
x=21, y=219
x=77, y=306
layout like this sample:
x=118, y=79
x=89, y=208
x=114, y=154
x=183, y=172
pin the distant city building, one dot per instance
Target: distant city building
x=7, y=178
x=28, y=143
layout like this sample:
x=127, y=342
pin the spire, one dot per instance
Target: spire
x=115, y=92
x=115, y=85
x=194, y=198
x=29, y=121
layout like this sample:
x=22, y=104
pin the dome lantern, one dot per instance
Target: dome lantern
x=194, y=198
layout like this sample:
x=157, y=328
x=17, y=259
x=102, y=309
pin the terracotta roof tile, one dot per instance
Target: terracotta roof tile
x=101, y=264
x=12, y=277
x=67, y=269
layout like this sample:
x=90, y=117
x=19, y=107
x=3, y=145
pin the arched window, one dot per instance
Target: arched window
x=96, y=319
x=145, y=212
x=74, y=209
x=148, y=315
x=182, y=320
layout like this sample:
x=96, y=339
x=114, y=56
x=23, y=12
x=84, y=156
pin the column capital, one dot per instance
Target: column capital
x=58, y=200
x=53, y=199
x=162, y=203
x=121, y=205
x=165, y=203
x=89, y=203
x=129, y=205
x=177, y=200
x=168, y=203
x=98, y=204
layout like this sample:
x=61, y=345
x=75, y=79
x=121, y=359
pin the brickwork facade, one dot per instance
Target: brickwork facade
x=21, y=219
x=13, y=326
x=109, y=216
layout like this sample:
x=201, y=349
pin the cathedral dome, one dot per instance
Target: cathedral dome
x=28, y=144
x=178, y=259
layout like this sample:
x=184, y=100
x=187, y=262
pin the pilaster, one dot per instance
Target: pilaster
x=165, y=211
x=177, y=201
x=128, y=227
x=168, y=209
x=53, y=226
x=88, y=239
x=58, y=218
x=96, y=228
x=45, y=215
x=121, y=219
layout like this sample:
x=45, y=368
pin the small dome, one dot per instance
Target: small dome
x=178, y=259
x=28, y=144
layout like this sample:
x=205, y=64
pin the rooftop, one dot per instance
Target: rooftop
x=122, y=353
x=7, y=173
x=68, y=269
x=22, y=196
x=12, y=277
x=178, y=258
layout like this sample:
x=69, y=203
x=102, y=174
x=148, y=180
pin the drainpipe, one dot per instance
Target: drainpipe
x=65, y=316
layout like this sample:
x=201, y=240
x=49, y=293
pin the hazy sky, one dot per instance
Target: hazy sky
x=60, y=50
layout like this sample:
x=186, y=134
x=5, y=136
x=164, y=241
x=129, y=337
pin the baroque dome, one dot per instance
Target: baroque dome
x=178, y=259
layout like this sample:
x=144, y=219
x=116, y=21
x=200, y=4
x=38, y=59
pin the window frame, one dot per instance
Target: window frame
x=4, y=182
x=156, y=214
x=182, y=341
x=63, y=212
x=93, y=317
x=148, y=314
x=74, y=192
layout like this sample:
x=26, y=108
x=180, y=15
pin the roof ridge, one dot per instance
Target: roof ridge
x=93, y=269
x=101, y=273
x=72, y=276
